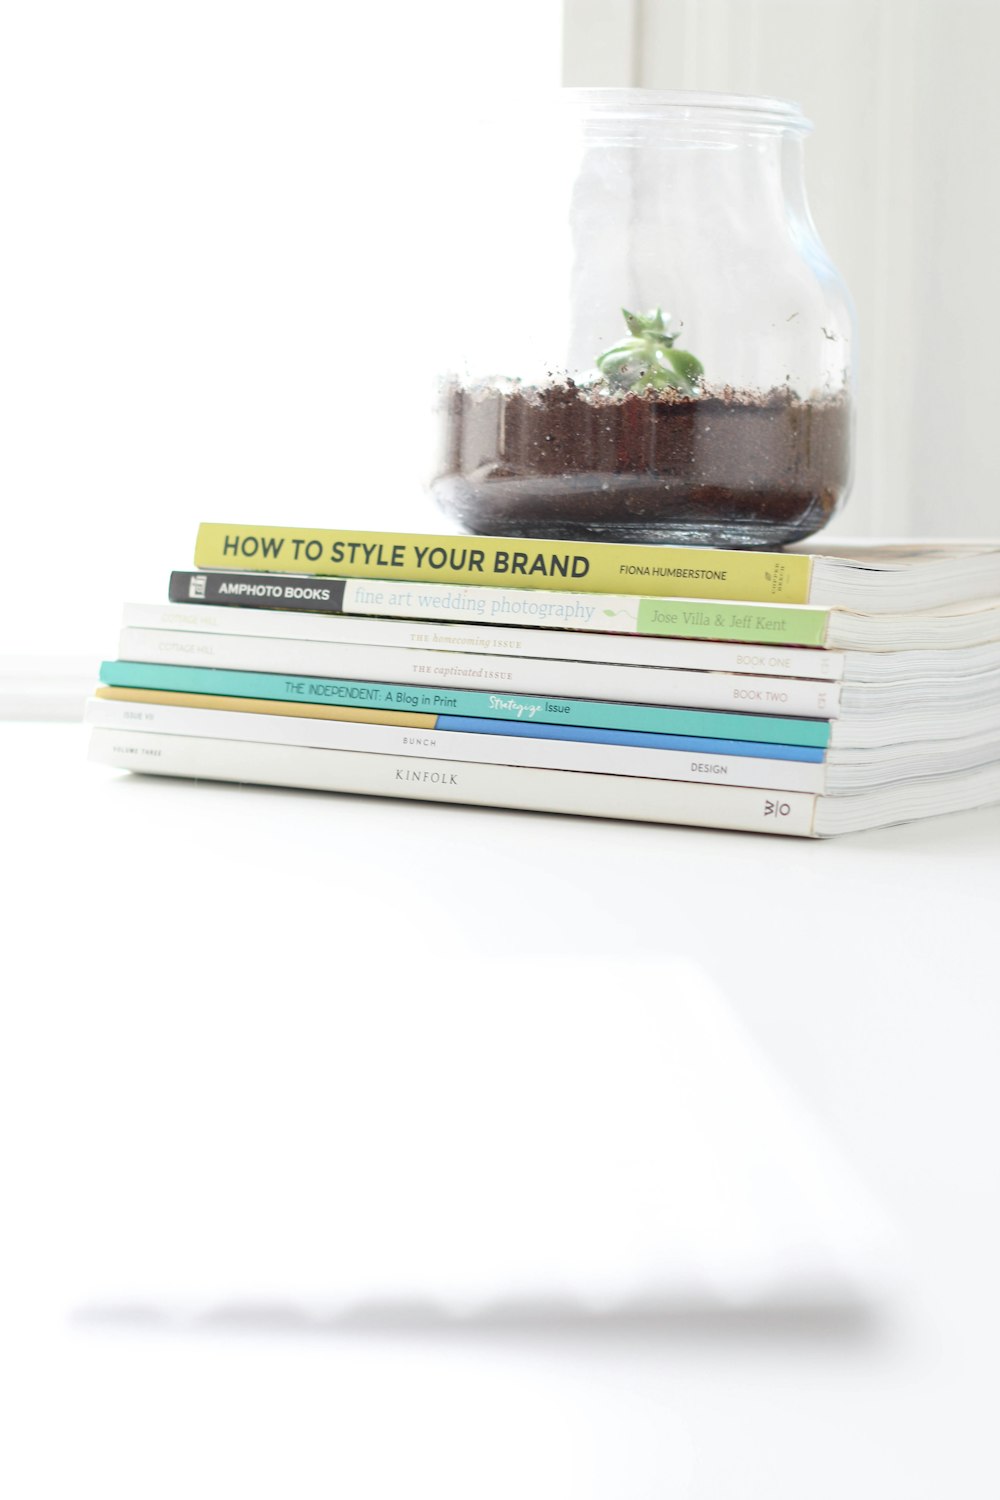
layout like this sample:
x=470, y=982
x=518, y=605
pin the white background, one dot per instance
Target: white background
x=225, y=229
x=863, y=967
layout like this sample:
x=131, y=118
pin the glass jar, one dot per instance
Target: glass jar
x=650, y=342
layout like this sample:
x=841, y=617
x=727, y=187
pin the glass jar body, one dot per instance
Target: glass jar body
x=657, y=348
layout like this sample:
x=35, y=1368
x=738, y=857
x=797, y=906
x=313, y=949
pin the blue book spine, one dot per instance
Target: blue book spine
x=566, y=712
x=686, y=742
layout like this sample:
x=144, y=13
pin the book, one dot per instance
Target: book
x=529, y=788
x=616, y=682
x=601, y=566
x=363, y=629
x=571, y=712
x=846, y=666
x=878, y=578
x=695, y=619
x=443, y=744
x=510, y=728
x=632, y=798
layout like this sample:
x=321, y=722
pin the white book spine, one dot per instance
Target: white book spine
x=437, y=744
x=739, y=692
x=629, y=797
x=499, y=640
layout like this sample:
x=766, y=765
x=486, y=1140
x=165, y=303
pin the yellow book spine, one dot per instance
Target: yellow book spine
x=580, y=567
x=268, y=706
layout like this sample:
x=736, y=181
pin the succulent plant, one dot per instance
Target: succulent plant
x=648, y=358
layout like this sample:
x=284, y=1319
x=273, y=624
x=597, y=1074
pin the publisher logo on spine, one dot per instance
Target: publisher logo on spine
x=197, y=585
x=776, y=809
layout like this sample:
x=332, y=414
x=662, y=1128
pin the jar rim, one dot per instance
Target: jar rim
x=693, y=107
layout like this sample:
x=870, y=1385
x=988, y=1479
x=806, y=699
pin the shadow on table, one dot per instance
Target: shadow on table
x=549, y=1321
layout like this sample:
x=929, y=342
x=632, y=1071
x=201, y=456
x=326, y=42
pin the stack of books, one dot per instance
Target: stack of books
x=773, y=692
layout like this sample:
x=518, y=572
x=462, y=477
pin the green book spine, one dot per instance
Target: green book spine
x=576, y=712
x=716, y=620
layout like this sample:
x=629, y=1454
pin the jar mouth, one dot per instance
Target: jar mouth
x=634, y=108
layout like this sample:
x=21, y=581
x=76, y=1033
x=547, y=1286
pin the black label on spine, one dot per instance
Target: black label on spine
x=259, y=590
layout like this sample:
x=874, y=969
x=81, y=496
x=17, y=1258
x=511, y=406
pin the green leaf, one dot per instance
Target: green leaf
x=614, y=366
x=664, y=380
x=626, y=347
x=686, y=365
x=648, y=358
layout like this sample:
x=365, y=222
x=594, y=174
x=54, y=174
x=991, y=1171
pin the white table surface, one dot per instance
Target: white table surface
x=867, y=970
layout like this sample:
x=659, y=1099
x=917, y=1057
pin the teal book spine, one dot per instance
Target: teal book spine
x=641, y=718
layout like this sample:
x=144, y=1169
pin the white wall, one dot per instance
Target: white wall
x=901, y=177
x=220, y=268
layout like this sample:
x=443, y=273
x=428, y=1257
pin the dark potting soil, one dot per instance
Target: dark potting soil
x=725, y=467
